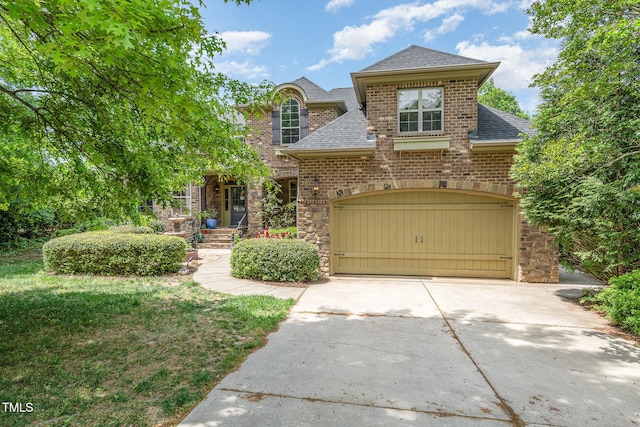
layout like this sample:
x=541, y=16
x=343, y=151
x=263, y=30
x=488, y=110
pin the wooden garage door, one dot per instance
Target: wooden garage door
x=436, y=233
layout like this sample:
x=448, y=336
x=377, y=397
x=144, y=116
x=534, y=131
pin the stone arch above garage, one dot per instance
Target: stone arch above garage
x=497, y=190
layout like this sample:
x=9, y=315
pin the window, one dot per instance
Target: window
x=293, y=191
x=290, y=116
x=420, y=110
x=183, y=197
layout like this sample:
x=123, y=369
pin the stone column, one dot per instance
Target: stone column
x=314, y=227
x=537, y=255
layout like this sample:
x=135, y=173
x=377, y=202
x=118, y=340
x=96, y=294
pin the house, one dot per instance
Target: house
x=404, y=174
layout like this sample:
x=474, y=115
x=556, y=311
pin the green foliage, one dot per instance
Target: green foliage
x=579, y=174
x=95, y=224
x=275, y=260
x=131, y=229
x=278, y=233
x=110, y=253
x=118, y=98
x=491, y=95
x=153, y=223
x=621, y=301
x=17, y=223
x=273, y=211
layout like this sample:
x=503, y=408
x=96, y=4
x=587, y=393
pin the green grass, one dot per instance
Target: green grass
x=97, y=351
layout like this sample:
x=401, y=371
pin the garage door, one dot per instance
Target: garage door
x=436, y=233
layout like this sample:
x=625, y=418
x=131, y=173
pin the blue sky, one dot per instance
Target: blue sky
x=326, y=40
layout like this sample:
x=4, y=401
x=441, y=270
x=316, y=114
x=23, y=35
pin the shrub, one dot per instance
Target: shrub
x=273, y=211
x=275, y=260
x=114, y=254
x=278, y=233
x=152, y=222
x=131, y=229
x=621, y=301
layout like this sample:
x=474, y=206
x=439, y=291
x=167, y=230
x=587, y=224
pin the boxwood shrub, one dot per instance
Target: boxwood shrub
x=275, y=260
x=132, y=229
x=109, y=253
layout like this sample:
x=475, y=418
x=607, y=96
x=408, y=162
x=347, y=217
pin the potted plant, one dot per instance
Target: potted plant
x=209, y=218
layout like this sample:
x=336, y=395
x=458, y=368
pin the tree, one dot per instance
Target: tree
x=579, y=174
x=491, y=95
x=106, y=104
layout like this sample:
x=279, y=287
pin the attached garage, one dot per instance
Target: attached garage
x=423, y=232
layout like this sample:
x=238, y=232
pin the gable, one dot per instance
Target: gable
x=420, y=57
x=417, y=63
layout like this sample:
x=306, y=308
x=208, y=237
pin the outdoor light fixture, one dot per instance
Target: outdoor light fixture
x=316, y=187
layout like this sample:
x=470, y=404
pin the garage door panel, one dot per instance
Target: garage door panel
x=423, y=232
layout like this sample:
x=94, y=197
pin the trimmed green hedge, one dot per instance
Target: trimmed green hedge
x=110, y=253
x=131, y=229
x=275, y=260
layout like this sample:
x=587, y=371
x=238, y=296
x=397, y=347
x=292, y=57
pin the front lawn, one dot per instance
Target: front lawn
x=81, y=350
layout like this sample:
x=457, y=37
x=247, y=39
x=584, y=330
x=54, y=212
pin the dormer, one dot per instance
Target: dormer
x=432, y=96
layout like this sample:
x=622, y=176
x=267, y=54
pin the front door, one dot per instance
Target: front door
x=238, y=202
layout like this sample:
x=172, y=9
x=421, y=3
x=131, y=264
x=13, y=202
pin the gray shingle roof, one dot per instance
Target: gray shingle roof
x=348, y=95
x=497, y=125
x=313, y=91
x=349, y=131
x=419, y=57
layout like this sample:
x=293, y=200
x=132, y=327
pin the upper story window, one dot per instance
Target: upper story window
x=290, y=116
x=420, y=110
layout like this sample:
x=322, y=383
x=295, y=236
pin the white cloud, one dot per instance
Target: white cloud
x=518, y=63
x=355, y=42
x=245, y=70
x=250, y=42
x=334, y=5
x=517, y=36
x=449, y=24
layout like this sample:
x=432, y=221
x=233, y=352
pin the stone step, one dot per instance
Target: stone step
x=212, y=237
x=226, y=245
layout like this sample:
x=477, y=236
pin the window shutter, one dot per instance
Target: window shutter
x=304, y=122
x=275, y=127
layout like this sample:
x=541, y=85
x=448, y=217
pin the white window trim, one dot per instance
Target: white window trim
x=283, y=128
x=420, y=111
x=186, y=199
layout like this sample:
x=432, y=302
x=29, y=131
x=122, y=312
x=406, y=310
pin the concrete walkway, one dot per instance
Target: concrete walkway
x=214, y=274
x=363, y=351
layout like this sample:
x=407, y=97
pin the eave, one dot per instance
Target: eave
x=481, y=71
x=302, y=154
x=494, y=146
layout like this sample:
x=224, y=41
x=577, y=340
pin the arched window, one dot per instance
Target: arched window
x=290, y=116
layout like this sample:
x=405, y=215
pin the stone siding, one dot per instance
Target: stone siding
x=537, y=255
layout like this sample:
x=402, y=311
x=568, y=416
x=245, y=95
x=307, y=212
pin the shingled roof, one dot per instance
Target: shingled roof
x=497, y=125
x=346, y=135
x=312, y=90
x=420, y=57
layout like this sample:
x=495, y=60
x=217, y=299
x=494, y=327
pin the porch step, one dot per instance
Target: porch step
x=214, y=245
x=218, y=238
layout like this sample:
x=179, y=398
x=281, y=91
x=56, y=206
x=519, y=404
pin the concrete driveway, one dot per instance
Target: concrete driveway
x=363, y=351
